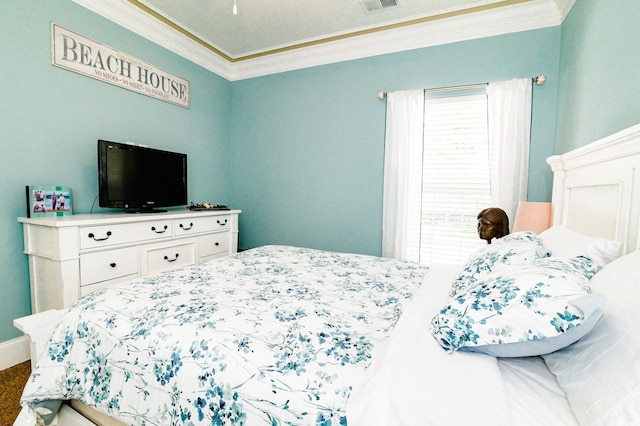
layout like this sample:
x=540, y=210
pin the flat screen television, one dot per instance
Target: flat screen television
x=140, y=179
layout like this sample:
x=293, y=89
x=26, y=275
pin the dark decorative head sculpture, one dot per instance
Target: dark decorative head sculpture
x=492, y=223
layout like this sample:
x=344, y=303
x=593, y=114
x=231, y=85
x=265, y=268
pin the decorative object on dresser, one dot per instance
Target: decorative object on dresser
x=208, y=206
x=48, y=200
x=72, y=256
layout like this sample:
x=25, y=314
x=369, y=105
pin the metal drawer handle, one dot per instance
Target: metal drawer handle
x=222, y=223
x=153, y=228
x=92, y=235
x=186, y=229
x=113, y=265
x=171, y=260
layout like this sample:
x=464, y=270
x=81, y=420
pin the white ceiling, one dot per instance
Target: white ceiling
x=269, y=36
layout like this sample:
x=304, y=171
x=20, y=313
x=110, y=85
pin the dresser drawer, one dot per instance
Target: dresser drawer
x=126, y=233
x=211, y=244
x=197, y=225
x=164, y=257
x=108, y=265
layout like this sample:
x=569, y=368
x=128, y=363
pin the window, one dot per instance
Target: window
x=455, y=179
x=447, y=158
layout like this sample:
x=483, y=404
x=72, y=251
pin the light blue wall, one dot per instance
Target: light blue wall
x=300, y=152
x=51, y=119
x=600, y=71
x=309, y=144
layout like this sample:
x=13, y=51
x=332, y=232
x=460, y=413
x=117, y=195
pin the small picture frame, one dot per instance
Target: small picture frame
x=51, y=200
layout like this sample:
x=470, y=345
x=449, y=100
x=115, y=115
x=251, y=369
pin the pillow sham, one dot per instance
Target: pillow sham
x=563, y=242
x=525, y=310
x=600, y=374
x=512, y=249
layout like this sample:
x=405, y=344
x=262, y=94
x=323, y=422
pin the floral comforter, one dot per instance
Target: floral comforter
x=275, y=335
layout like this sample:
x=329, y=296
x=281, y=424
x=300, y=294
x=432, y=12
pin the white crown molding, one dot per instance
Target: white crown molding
x=564, y=7
x=509, y=19
x=522, y=17
x=135, y=20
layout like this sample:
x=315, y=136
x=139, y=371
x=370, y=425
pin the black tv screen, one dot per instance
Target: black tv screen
x=140, y=178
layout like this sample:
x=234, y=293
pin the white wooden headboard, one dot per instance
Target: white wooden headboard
x=596, y=188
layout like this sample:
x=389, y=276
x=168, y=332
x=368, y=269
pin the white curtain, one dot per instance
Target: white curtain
x=509, y=128
x=403, y=160
x=509, y=108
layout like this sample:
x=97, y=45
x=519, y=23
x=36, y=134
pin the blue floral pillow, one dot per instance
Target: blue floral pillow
x=512, y=249
x=528, y=309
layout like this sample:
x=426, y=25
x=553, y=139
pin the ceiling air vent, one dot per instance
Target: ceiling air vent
x=375, y=5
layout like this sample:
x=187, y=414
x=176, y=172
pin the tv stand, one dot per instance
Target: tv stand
x=71, y=256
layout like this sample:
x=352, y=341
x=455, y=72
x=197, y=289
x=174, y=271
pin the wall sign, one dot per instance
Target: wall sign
x=76, y=53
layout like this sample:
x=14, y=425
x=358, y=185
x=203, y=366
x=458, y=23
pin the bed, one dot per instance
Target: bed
x=288, y=335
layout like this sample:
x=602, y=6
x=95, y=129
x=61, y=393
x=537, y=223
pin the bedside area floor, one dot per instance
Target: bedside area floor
x=12, y=381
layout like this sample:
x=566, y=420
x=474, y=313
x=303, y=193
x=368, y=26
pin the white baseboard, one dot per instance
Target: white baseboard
x=13, y=352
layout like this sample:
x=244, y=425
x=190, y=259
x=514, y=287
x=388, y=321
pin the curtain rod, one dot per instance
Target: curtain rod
x=539, y=80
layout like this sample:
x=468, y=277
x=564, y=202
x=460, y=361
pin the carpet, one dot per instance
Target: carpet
x=12, y=381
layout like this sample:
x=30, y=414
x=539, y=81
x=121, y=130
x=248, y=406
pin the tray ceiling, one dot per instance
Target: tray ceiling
x=267, y=36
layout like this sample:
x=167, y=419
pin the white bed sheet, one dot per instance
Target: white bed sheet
x=413, y=381
x=535, y=398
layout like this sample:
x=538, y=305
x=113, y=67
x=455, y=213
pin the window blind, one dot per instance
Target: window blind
x=455, y=179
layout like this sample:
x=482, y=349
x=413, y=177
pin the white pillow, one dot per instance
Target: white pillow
x=525, y=310
x=600, y=374
x=563, y=242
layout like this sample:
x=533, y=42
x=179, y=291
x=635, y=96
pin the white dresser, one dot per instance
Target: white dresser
x=71, y=256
